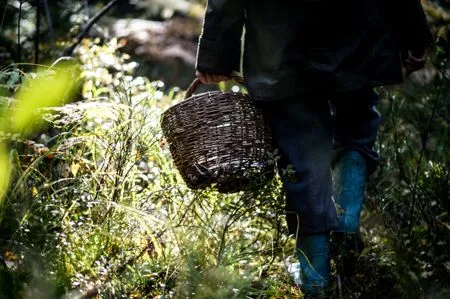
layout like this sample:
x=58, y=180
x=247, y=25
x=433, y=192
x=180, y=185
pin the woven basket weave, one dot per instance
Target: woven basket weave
x=218, y=138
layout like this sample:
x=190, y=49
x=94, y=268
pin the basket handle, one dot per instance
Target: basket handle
x=196, y=83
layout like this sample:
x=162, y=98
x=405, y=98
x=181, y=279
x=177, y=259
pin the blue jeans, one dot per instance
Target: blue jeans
x=310, y=132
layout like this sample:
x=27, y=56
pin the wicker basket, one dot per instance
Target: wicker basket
x=218, y=138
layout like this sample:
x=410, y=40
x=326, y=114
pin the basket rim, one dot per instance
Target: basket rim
x=210, y=94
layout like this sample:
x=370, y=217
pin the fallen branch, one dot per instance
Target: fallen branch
x=89, y=25
x=91, y=293
x=19, y=46
x=38, y=30
x=49, y=23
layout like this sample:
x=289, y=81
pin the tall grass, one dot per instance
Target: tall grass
x=97, y=207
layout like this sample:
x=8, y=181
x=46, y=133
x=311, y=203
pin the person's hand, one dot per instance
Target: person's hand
x=211, y=78
x=414, y=60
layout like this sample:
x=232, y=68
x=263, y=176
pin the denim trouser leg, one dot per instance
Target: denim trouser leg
x=356, y=125
x=305, y=134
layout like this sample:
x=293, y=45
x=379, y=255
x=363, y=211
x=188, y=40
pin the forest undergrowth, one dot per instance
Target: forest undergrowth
x=95, y=207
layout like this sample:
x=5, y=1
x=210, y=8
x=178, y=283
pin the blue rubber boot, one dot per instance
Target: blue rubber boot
x=313, y=254
x=350, y=176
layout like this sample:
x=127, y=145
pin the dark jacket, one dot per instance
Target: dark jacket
x=293, y=46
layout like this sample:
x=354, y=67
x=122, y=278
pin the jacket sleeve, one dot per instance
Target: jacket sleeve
x=219, y=47
x=409, y=24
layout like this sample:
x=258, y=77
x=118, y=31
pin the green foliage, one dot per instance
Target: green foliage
x=408, y=195
x=97, y=206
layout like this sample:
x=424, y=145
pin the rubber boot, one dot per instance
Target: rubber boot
x=350, y=176
x=313, y=254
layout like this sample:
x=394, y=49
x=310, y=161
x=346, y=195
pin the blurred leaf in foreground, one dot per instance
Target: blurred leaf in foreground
x=5, y=169
x=48, y=88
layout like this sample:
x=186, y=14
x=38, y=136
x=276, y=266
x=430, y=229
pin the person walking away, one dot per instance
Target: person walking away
x=299, y=57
